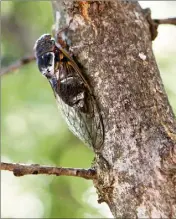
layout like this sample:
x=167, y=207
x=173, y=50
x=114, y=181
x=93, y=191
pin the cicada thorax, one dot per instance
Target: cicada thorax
x=70, y=88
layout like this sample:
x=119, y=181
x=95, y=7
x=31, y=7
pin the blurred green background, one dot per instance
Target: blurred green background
x=32, y=128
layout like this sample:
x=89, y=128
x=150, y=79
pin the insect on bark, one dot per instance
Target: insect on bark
x=72, y=91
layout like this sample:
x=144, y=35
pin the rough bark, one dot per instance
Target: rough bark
x=137, y=164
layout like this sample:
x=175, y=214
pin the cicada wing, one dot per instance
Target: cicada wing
x=87, y=126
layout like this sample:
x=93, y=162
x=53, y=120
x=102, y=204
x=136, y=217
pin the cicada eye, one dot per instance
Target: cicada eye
x=48, y=59
x=46, y=64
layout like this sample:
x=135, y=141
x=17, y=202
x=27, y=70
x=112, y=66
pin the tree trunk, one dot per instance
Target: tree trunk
x=137, y=164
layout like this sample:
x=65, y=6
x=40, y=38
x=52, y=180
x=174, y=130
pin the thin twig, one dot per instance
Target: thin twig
x=165, y=21
x=17, y=65
x=154, y=23
x=25, y=169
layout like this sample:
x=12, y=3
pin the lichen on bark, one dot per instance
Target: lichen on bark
x=135, y=166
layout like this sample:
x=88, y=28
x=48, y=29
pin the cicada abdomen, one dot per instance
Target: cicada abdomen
x=73, y=94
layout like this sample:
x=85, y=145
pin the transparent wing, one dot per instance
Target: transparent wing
x=88, y=126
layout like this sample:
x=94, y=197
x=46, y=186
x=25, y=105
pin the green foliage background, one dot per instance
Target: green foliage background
x=32, y=128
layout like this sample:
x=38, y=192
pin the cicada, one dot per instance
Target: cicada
x=72, y=91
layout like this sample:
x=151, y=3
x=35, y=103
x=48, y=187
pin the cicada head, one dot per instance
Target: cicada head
x=44, y=44
x=44, y=52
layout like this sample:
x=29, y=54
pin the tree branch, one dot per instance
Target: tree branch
x=34, y=169
x=17, y=65
x=166, y=21
x=136, y=164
